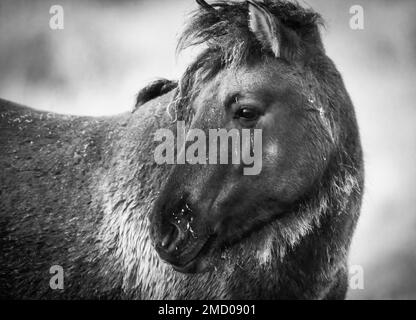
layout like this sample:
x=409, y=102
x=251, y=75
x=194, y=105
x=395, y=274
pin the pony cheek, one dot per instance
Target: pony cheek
x=298, y=177
x=271, y=153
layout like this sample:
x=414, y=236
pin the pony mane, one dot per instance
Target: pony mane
x=222, y=28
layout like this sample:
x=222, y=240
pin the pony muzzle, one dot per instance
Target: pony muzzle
x=175, y=239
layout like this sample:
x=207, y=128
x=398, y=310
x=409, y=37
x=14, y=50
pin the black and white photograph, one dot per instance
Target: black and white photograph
x=208, y=150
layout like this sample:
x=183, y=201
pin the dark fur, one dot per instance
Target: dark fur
x=77, y=191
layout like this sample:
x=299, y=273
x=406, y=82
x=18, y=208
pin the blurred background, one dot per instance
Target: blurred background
x=108, y=50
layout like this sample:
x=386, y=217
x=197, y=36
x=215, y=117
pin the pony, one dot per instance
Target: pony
x=86, y=193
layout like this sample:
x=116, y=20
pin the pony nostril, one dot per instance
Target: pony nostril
x=172, y=238
x=176, y=229
x=168, y=238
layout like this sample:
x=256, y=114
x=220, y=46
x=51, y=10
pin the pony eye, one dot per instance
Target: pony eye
x=247, y=114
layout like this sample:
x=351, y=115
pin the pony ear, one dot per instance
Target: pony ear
x=153, y=90
x=264, y=26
